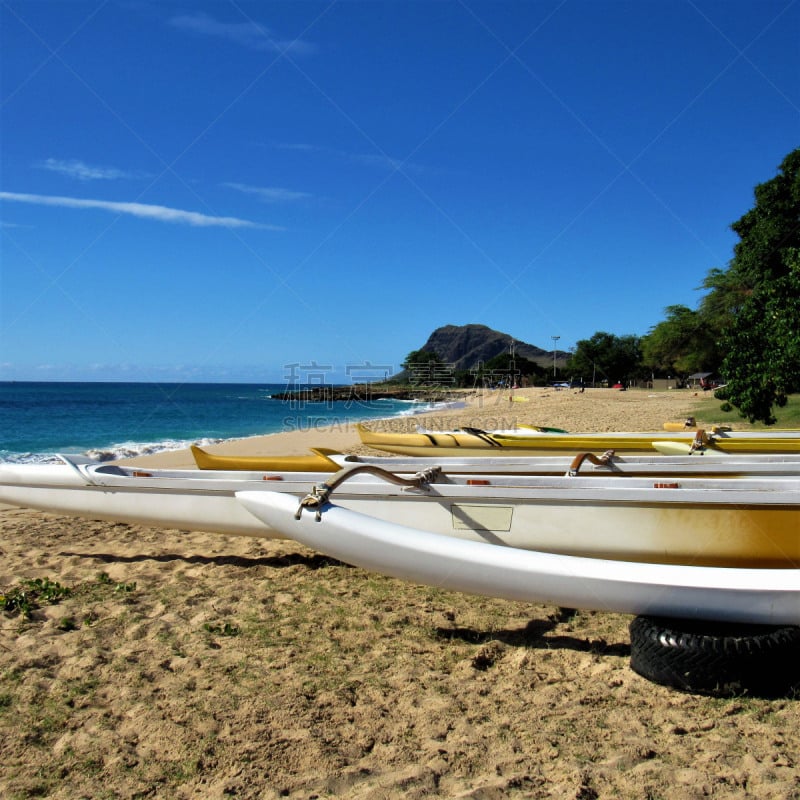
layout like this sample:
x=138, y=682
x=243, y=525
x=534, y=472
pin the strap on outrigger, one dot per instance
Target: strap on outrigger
x=319, y=495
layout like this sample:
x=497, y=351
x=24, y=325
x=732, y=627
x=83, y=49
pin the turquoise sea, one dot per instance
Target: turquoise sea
x=114, y=420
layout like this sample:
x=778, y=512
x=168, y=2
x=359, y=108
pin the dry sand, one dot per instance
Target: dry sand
x=189, y=665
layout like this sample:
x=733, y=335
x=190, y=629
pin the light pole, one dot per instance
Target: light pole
x=555, y=339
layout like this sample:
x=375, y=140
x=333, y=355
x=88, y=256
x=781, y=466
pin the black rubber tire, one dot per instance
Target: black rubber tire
x=717, y=658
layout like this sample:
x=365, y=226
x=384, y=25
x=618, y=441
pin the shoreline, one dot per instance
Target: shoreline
x=588, y=411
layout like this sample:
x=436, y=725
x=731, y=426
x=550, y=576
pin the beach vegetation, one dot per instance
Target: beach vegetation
x=512, y=365
x=762, y=365
x=424, y=368
x=708, y=412
x=745, y=332
x=221, y=628
x=682, y=344
x=752, y=309
x=606, y=357
x=30, y=595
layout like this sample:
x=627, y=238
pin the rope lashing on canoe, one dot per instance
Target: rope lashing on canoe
x=599, y=461
x=319, y=495
x=700, y=442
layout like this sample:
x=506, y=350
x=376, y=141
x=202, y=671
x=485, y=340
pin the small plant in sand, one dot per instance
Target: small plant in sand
x=104, y=579
x=31, y=594
x=221, y=629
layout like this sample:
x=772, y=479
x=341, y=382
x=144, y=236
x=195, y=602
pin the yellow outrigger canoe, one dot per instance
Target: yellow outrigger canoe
x=537, y=441
x=318, y=461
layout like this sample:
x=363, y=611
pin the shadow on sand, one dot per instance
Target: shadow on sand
x=312, y=562
x=534, y=635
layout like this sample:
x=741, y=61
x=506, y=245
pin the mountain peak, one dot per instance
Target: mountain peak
x=464, y=346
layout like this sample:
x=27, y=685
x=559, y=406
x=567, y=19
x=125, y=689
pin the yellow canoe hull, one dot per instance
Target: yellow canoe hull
x=527, y=442
x=317, y=462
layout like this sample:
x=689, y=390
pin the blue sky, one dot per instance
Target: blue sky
x=220, y=190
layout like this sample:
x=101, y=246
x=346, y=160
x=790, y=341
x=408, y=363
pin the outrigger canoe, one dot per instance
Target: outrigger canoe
x=318, y=461
x=732, y=522
x=700, y=463
x=531, y=441
x=761, y=596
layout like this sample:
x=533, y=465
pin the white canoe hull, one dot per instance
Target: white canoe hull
x=678, y=459
x=752, y=522
x=769, y=597
x=60, y=489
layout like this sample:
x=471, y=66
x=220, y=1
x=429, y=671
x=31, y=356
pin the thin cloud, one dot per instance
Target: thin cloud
x=269, y=194
x=310, y=148
x=371, y=160
x=380, y=161
x=84, y=172
x=244, y=34
x=141, y=210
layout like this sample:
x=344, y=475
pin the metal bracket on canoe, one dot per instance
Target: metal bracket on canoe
x=599, y=461
x=319, y=495
x=700, y=442
x=79, y=464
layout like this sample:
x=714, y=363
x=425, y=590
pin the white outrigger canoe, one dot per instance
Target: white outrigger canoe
x=678, y=461
x=734, y=522
x=762, y=596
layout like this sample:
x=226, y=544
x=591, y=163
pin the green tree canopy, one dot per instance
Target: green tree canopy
x=606, y=356
x=759, y=294
x=763, y=363
x=682, y=344
x=426, y=367
x=416, y=357
x=505, y=363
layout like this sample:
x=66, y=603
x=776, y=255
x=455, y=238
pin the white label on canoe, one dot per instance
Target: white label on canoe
x=481, y=518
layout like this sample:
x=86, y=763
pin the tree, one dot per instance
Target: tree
x=416, y=357
x=682, y=344
x=427, y=367
x=511, y=367
x=763, y=365
x=759, y=293
x=614, y=358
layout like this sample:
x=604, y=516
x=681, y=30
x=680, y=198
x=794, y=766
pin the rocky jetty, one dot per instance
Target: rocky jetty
x=367, y=392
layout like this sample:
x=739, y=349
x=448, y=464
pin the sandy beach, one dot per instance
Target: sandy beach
x=591, y=410
x=193, y=665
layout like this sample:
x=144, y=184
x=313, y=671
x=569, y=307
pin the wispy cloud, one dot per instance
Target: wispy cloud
x=269, y=194
x=372, y=160
x=244, y=34
x=142, y=210
x=84, y=172
x=381, y=161
x=302, y=147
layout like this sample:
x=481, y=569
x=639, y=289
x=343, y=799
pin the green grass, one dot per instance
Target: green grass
x=708, y=412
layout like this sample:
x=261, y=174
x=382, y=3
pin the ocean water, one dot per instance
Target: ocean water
x=115, y=420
